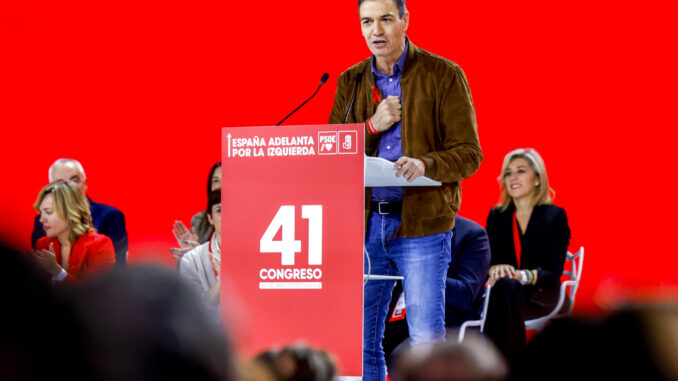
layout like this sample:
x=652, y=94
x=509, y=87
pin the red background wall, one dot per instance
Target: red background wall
x=138, y=92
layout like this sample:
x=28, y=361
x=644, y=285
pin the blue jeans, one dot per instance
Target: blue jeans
x=422, y=261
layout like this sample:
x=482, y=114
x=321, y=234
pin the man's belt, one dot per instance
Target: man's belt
x=386, y=207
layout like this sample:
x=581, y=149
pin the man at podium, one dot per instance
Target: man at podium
x=418, y=112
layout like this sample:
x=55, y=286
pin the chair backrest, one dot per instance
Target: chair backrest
x=576, y=265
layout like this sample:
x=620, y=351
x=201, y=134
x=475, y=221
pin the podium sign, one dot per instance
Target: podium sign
x=292, y=246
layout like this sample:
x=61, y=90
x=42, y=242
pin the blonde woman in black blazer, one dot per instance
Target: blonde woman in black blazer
x=529, y=237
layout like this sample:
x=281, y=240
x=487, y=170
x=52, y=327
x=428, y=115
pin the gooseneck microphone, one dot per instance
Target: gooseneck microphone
x=358, y=78
x=323, y=79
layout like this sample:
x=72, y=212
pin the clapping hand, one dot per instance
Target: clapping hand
x=184, y=236
x=187, y=239
x=46, y=259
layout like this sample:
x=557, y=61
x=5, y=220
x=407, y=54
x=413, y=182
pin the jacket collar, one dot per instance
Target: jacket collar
x=407, y=69
x=411, y=60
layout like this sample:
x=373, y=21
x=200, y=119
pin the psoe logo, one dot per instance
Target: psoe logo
x=348, y=142
x=290, y=275
x=327, y=143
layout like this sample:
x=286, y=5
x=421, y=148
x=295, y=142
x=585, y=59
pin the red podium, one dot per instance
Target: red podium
x=292, y=228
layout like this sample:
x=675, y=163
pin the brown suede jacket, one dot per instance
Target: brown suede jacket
x=438, y=126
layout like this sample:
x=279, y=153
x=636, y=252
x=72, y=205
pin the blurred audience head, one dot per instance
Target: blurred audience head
x=38, y=330
x=636, y=343
x=474, y=359
x=262, y=367
x=139, y=323
x=214, y=179
x=523, y=174
x=144, y=323
x=63, y=210
x=294, y=363
x=68, y=170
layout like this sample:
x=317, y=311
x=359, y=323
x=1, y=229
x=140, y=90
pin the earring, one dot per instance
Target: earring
x=536, y=184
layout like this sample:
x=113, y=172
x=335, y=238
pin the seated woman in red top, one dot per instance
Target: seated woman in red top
x=72, y=250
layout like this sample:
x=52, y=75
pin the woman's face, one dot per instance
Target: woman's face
x=215, y=220
x=519, y=179
x=54, y=225
x=216, y=179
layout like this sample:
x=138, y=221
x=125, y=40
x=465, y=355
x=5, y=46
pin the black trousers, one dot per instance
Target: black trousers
x=509, y=307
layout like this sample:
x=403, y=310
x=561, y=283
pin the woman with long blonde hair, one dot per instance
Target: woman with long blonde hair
x=72, y=251
x=529, y=237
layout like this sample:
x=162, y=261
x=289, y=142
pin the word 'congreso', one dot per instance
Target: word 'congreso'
x=290, y=274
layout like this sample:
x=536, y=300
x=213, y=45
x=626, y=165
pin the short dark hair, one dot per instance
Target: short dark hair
x=402, y=8
x=213, y=198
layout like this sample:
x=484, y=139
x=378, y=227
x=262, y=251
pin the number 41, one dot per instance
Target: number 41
x=288, y=246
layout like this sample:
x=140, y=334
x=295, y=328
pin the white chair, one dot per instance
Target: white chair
x=476, y=323
x=577, y=263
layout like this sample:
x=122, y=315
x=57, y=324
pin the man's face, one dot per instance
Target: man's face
x=383, y=29
x=69, y=172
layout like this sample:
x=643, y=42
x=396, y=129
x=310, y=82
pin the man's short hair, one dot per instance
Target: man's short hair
x=64, y=161
x=402, y=8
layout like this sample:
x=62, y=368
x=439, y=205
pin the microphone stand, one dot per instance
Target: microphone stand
x=323, y=79
x=358, y=78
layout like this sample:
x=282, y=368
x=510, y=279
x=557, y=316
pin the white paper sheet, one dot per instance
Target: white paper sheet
x=381, y=173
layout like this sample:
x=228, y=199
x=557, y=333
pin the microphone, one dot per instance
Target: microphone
x=323, y=79
x=358, y=78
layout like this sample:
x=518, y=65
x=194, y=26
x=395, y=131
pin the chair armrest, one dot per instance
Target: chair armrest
x=466, y=324
x=561, y=298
